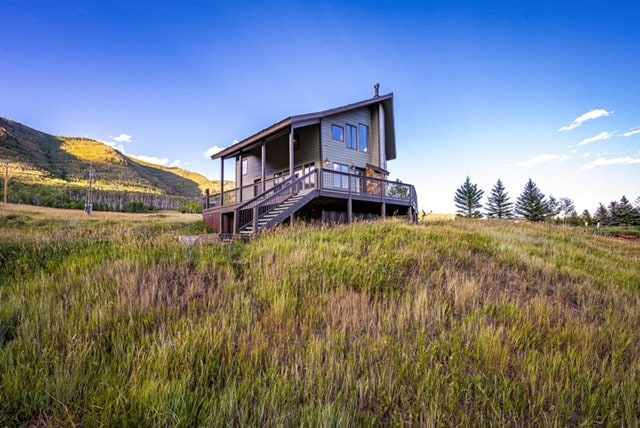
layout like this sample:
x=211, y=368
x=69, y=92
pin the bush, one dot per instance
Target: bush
x=193, y=207
x=136, y=207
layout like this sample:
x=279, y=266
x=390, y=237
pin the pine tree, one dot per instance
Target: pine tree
x=623, y=213
x=498, y=204
x=586, y=217
x=467, y=199
x=601, y=215
x=531, y=204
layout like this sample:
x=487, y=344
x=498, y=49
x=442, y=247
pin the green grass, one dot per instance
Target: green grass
x=111, y=321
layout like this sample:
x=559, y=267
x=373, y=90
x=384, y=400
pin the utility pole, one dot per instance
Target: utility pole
x=6, y=181
x=88, y=207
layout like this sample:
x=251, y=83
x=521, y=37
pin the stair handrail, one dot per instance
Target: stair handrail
x=262, y=195
x=283, y=187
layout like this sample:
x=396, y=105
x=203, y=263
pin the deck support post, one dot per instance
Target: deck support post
x=383, y=210
x=239, y=199
x=206, y=200
x=349, y=210
x=221, y=181
x=262, y=173
x=291, y=149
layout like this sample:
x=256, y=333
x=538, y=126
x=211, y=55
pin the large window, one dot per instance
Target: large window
x=337, y=132
x=364, y=138
x=352, y=137
x=245, y=166
x=341, y=181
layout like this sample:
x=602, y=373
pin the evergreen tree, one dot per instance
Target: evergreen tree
x=467, y=199
x=612, y=214
x=623, y=213
x=498, y=204
x=531, y=204
x=586, y=217
x=601, y=215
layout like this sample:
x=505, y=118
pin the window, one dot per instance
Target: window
x=341, y=181
x=364, y=138
x=352, y=137
x=337, y=132
x=245, y=166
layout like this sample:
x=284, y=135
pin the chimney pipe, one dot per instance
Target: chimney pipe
x=376, y=87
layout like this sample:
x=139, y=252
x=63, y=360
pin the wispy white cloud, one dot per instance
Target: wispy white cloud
x=123, y=138
x=586, y=155
x=176, y=163
x=623, y=160
x=118, y=147
x=212, y=151
x=600, y=137
x=590, y=115
x=151, y=159
x=541, y=159
x=632, y=131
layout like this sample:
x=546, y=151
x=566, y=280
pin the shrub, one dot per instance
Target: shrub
x=193, y=207
x=136, y=207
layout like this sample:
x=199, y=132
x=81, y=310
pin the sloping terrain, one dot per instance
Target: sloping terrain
x=40, y=158
x=111, y=321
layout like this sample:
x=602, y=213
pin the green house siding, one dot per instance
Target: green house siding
x=307, y=152
x=338, y=152
x=277, y=157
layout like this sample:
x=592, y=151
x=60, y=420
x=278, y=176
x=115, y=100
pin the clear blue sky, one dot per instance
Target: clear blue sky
x=486, y=90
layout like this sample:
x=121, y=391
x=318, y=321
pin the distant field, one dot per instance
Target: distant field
x=108, y=320
x=44, y=214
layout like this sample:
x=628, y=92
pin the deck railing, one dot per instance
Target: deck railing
x=329, y=180
x=250, y=212
x=354, y=184
x=239, y=194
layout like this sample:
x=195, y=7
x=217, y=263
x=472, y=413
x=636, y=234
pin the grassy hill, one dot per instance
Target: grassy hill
x=109, y=320
x=42, y=159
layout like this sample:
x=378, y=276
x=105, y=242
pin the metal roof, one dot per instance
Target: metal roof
x=307, y=119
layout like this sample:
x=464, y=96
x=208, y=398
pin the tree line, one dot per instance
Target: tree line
x=533, y=205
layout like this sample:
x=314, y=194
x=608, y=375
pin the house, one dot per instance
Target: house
x=329, y=166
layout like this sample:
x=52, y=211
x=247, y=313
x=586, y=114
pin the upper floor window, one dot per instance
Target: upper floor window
x=352, y=137
x=364, y=138
x=337, y=132
x=245, y=166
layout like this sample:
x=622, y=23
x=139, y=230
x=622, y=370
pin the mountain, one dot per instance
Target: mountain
x=37, y=158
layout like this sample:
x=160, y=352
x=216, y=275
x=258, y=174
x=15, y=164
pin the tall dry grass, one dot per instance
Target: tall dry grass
x=114, y=322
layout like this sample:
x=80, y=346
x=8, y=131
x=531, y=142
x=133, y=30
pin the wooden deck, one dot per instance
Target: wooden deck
x=320, y=194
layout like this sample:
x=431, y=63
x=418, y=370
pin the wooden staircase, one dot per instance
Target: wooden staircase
x=273, y=207
x=277, y=215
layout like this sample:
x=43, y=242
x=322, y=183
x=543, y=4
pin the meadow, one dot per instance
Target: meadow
x=110, y=320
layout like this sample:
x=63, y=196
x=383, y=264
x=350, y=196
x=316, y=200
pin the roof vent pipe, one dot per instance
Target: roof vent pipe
x=376, y=88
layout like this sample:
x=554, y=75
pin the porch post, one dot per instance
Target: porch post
x=221, y=181
x=264, y=156
x=383, y=210
x=349, y=210
x=239, y=167
x=291, y=160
